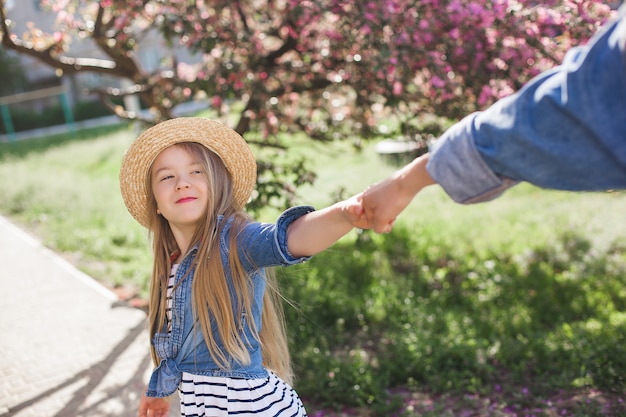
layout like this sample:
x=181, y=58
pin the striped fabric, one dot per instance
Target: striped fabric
x=170, y=289
x=207, y=396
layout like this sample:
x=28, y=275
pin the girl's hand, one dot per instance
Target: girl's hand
x=353, y=212
x=154, y=407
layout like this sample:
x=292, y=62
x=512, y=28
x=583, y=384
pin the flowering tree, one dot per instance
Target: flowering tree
x=452, y=57
x=330, y=68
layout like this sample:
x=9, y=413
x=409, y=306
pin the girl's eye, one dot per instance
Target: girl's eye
x=196, y=171
x=167, y=177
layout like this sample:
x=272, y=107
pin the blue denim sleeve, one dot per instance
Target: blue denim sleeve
x=265, y=244
x=564, y=130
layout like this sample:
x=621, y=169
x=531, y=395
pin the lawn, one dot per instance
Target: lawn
x=509, y=308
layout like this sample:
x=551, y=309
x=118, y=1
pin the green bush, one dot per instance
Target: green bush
x=384, y=311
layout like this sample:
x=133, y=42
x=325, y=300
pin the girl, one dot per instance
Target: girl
x=216, y=335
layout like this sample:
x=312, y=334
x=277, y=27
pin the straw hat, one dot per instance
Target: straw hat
x=222, y=140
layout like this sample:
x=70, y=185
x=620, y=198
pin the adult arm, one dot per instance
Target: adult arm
x=563, y=130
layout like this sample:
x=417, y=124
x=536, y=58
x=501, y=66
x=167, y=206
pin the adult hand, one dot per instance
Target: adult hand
x=382, y=202
x=385, y=200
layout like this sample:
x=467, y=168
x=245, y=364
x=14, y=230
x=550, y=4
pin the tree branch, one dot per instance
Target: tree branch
x=69, y=65
x=106, y=94
x=242, y=16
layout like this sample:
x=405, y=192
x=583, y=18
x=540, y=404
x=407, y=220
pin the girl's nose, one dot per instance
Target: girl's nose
x=182, y=183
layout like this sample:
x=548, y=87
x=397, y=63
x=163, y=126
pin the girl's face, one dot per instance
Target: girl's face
x=180, y=187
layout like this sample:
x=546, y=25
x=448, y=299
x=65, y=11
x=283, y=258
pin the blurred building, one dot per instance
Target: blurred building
x=28, y=16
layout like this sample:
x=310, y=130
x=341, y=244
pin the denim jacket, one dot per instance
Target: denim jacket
x=184, y=350
x=565, y=129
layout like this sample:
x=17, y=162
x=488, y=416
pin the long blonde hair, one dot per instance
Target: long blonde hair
x=210, y=292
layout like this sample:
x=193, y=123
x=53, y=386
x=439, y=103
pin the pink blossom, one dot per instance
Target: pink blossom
x=486, y=96
x=397, y=88
x=187, y=72
x=437, y=82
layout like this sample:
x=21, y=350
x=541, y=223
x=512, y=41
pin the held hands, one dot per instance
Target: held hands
x=375, y=208
x=353, y=213
x=381, y=203
x=384, y=201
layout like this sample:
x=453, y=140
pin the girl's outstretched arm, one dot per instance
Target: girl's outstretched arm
x=318, y=230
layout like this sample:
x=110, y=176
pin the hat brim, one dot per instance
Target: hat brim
x=220, y=139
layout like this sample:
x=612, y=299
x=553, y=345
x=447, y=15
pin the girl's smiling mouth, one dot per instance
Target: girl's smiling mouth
x=185, y=200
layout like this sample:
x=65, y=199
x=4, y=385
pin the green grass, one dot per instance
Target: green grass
x=67, y=192
x=513, y=307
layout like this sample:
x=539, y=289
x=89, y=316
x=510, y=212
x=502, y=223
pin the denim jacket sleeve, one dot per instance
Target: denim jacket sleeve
x=564, y=130
x=265, y=244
